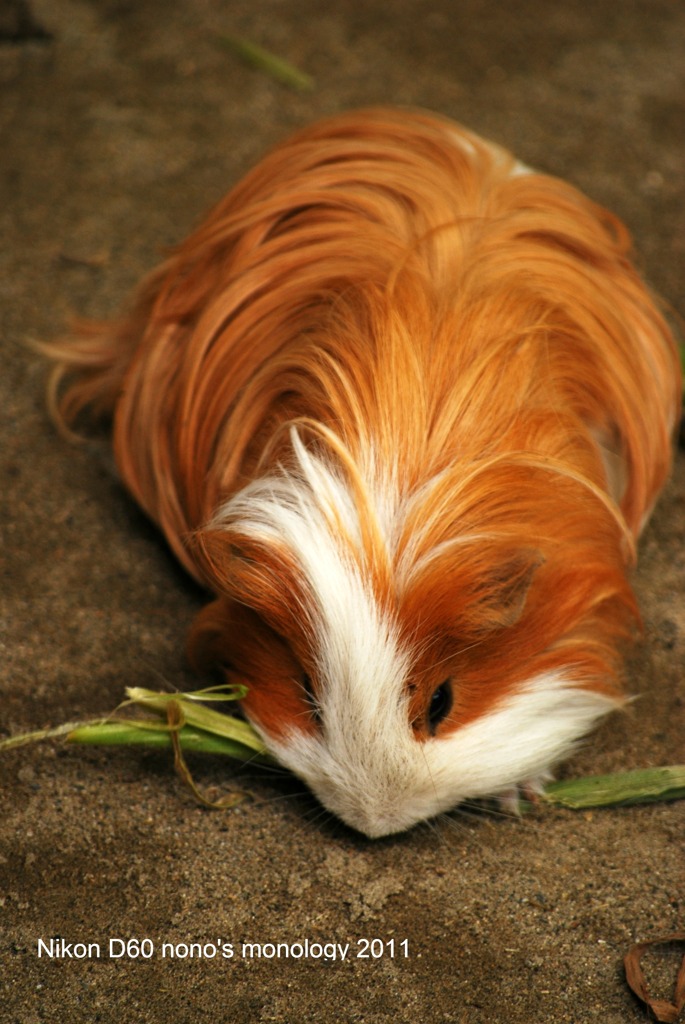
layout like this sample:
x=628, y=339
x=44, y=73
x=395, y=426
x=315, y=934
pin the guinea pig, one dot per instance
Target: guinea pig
x=403, y=405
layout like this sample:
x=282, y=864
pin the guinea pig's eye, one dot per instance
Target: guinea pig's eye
x=440, y=705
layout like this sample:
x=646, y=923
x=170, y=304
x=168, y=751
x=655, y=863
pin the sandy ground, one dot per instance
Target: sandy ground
x=118, y=131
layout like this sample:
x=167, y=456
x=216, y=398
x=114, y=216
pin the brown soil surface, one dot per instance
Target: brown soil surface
x=120, y=124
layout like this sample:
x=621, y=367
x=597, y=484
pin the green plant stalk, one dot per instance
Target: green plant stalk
x=197, y=727
x=115, y=733
x=195, y=713
x=257, y=57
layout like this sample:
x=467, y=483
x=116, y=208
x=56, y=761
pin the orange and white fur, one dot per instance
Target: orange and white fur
x=403, y=405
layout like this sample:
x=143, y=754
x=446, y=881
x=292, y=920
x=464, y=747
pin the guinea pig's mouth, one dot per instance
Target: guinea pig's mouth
x=370, y=822
x=377, y=799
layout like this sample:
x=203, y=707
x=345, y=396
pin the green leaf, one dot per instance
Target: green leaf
x=642, y=785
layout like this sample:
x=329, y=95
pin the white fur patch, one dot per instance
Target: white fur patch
x=360, y=668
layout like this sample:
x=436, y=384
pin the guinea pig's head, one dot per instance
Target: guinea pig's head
x=396, y=688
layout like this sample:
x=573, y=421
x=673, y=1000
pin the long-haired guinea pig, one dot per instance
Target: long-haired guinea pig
x=403, y=406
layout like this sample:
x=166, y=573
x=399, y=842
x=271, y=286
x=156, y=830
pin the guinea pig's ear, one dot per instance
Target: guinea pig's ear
x=209, y=641
x=235, y=640
x=508, y=587
x=259, y=574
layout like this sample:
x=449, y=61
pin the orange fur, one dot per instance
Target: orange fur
x=482, y=331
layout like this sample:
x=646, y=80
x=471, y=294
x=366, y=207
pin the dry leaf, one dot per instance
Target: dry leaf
x=663, y=1010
